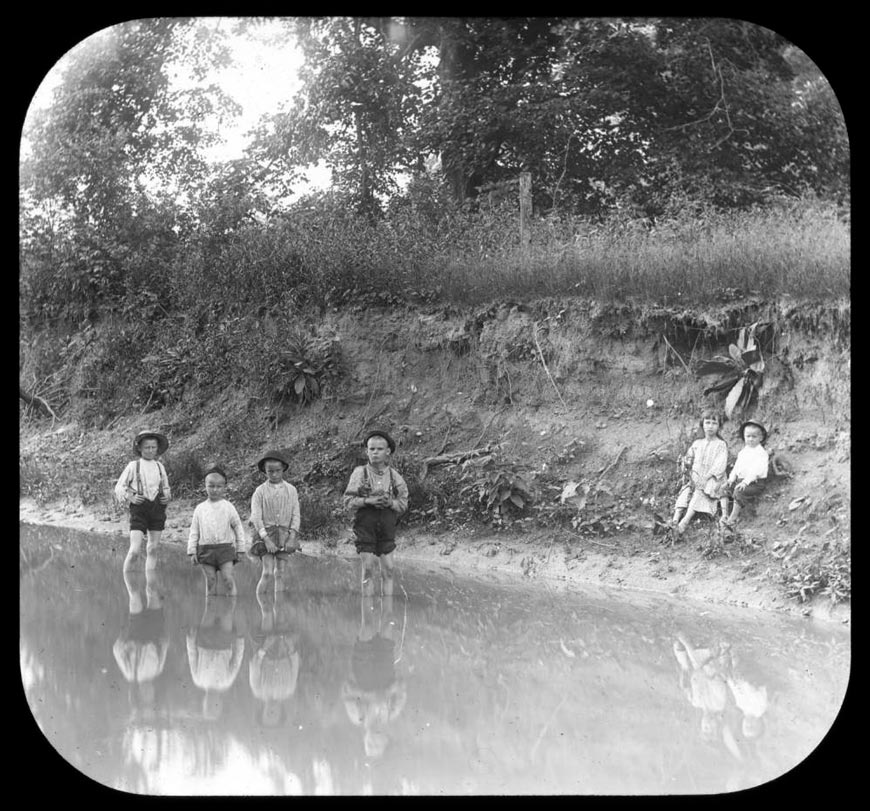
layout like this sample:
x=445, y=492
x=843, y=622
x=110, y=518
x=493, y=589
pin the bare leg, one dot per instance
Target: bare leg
x=723, y=507
x=153, y=592
x=151, y=549
x=690, y=514
x=367, y=562
x=135, y=550
x=678, y=514
x=735, y=513
x=210, y=574
x=387, y=574
x=229, y=579
x=282, y=574
x=268, y=562
x=132, y=580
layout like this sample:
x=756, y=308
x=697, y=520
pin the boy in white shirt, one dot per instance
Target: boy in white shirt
x=216, y=534
x=749, y=474
x=145, y=487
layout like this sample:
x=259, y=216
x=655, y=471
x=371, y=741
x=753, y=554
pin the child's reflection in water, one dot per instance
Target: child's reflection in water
x=273, y=668
x=374, y=695
x=214, y=653
x=141, y=647
x=718, y=682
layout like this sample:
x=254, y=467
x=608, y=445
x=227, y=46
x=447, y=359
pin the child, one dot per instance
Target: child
x=377, y=495
x=749, y=474
x=275, y=517
x=216, y=534
x=706, y=461
x=145, y=487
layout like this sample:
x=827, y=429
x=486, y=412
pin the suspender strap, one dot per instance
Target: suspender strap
x=160, y=469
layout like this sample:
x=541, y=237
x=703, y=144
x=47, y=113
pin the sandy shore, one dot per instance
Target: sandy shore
x=676, y=573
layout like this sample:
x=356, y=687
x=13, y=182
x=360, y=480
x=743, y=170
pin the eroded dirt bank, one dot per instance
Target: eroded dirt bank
x=542, y=394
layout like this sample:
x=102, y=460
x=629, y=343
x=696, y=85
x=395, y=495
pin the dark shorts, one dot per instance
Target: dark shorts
x=149, y=515
x=147, y=626
x=279, y=536
x=748, y=494
x=373, y=664
x=375, y=530
x=217, y=555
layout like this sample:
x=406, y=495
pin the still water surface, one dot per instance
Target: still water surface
x=455, y=687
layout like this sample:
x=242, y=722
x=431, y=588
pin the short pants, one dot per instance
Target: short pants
x=149, y=515
x=748, y=494
x=280, y=536
x=375, y=530
x=217, y=554
x=373, y=665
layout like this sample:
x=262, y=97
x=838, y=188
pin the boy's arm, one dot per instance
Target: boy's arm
x=295, y=514
x=400, y=502
x=352, y=499
x=238, y=528
x=122, y=486
x=193, y=535
x=257, y=513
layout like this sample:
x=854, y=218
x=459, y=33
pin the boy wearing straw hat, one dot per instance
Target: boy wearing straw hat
x=275, y=518
x=144, y=485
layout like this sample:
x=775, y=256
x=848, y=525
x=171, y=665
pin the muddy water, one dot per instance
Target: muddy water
x=454, y=687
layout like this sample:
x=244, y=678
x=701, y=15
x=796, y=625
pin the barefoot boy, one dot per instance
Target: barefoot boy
x=377, y=495
x=275, y=518
x=145, y=487
x=216, y=534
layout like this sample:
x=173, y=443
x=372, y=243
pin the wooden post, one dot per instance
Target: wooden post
x=525, y=209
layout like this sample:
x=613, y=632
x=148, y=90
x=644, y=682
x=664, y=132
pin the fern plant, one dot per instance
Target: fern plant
x=740, y=375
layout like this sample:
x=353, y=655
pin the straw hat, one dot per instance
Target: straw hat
x=162, y=441
x=757, y=425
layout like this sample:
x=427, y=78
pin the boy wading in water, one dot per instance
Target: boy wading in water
x=377, y=495
x=275, y=518
x=216, y=534
x=145, y=487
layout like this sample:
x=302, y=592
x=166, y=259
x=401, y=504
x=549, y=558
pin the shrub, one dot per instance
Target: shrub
x=502, y=491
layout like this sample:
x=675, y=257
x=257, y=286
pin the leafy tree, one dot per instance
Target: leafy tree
x=103, y=165
x=356, y=103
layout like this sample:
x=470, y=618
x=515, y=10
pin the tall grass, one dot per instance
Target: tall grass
x=796, y=248
x=801, y=250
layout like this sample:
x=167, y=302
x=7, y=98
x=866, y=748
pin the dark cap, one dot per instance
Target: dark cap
x=276, y=455
x=378, y=432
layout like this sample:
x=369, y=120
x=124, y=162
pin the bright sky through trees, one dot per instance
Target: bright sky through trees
x=261, y=79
